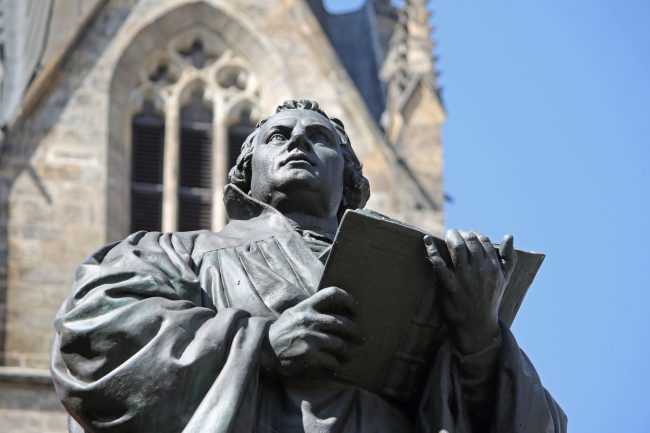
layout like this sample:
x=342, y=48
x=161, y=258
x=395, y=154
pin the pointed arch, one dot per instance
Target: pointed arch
x=205, y=44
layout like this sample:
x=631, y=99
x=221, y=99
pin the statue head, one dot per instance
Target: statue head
x=302, y=157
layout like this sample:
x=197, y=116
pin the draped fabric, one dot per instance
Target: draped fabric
x=163, y=333
x=518, y=404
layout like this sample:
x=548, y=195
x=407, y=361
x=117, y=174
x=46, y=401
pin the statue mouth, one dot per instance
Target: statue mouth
x=297, y=159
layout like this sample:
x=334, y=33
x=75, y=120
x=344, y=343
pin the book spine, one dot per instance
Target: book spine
x=406, y=374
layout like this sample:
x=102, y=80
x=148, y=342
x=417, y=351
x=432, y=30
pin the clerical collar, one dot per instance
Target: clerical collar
x=241, y=206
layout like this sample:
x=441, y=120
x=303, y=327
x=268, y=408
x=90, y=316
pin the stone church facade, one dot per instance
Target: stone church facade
x=127, y=114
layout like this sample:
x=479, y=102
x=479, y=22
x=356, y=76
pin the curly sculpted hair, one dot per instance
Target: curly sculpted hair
x=356, y=189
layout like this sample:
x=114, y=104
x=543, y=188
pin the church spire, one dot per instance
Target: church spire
x=419, y=44
x=409, y=68
x=414, y=114
x=410, y=52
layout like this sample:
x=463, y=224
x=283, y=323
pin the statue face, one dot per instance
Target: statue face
x=298, y=162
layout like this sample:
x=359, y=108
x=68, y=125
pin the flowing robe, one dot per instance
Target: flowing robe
x=163, y=333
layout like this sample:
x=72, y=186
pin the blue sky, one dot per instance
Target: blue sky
x=548, y=137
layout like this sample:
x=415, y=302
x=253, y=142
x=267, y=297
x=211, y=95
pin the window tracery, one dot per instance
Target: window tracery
x=196, y=102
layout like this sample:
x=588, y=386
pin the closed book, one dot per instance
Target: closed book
x=383, y=263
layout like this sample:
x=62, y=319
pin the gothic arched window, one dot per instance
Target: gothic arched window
x=181, y=157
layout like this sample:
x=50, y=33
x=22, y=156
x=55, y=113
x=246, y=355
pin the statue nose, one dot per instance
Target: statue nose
x=298, y=139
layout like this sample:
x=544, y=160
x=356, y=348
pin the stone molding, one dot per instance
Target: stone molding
x=28, y=376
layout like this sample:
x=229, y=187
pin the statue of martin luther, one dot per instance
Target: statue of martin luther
x=226, y=332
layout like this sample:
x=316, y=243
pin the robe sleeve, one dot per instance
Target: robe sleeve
x=139, y=347
x=520, y=402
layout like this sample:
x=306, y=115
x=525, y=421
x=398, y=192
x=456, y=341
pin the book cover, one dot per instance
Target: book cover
x=383, y=263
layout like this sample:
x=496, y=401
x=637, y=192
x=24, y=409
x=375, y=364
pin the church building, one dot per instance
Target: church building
x=126, y=115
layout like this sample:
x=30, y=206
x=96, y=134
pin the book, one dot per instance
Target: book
x=383, y=263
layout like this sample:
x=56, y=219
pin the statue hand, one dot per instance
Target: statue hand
x=473, y=287
x=313, y=337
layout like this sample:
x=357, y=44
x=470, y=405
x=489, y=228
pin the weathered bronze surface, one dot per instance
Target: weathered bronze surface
x=227, y=332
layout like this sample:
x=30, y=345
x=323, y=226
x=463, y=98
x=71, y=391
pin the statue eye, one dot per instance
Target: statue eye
x=321, y=138
x=276, y=138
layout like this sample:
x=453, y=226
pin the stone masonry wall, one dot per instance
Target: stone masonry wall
x=28, y=403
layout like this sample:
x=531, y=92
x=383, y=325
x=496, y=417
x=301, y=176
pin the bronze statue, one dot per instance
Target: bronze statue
x=226, y=332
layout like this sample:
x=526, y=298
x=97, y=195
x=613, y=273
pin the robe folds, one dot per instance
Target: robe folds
x=163, y=332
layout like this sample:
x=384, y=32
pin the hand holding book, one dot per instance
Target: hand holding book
x=313, y=337
x=406, y=309
x=472, y=285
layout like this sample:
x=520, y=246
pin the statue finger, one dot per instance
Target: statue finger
x=340, y=326
x=334, y=345
x=333, y=300
x=476, y=251
x=508, y=254
x=438, y=263
x=489, y=248
x=457, y=249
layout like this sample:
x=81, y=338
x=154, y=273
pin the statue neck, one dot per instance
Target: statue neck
x=323, y=226
x=307, y=218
